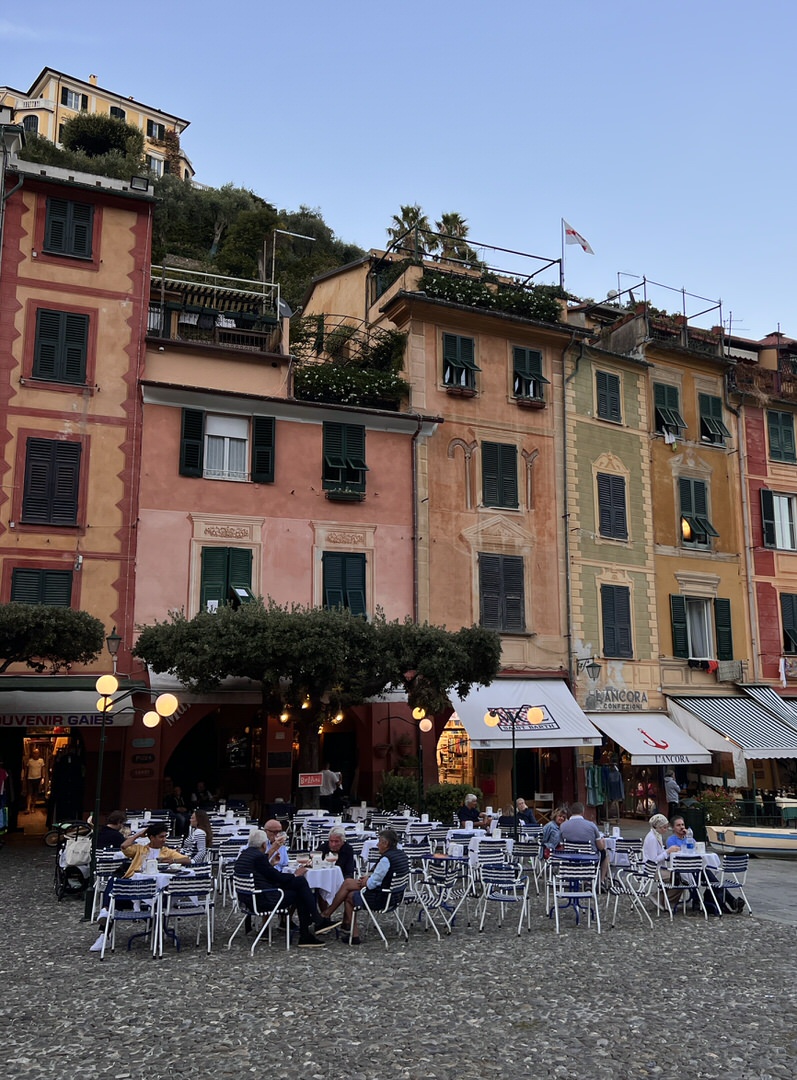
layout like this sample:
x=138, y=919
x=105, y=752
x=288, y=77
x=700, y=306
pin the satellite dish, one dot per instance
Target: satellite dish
x=612, y=294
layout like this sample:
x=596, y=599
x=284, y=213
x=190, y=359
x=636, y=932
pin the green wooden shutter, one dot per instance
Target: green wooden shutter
x=354, y=454
x=680, y=634
x=607, y=388
x=788, y=611
x=263, y=449
x=722, y=624
x=64, y=95
x=59, y=351
x=192, y=442
x=354, y=582
x=781, y=436
x=612, y=515
x=685, y=492
x=512, y=585
x=768, y=517
x=490, y=599
x=239, y=567
x=333, y=582
x=55, y=229
x=490, y=474
x=56, y=588
x=508, y=493
x=616, y=620
x=25, y=586
x=47, y=347
x=334, y=456
x=699, y=500
x=66, y=478
x=82, y=225
x=214, y=581
x=75, y=347
x=36, y=491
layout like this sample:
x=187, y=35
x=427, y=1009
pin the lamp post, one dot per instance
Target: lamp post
x=528, y=717
x=106, y=686
x=424, y=724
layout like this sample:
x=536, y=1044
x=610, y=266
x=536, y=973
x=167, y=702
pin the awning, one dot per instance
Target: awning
x=772, y=700
x=651, y=738
x=757, y=731
x=70, y=708
x=563, y=723
x=711, y=739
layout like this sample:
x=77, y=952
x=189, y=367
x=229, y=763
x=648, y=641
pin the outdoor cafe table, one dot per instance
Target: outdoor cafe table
x=326, y=879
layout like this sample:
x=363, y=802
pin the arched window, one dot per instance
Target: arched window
x=30, y=125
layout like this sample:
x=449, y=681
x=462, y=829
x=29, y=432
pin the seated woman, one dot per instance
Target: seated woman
x=337, y=844
x=551, y=834
x=200, y=839
x=653, y=849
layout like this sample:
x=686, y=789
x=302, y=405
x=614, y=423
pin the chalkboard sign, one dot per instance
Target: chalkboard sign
x=281, y=760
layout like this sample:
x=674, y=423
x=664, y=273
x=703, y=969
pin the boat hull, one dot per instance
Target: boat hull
x=753, y=840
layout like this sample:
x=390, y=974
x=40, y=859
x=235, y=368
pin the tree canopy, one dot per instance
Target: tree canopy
x=45, y=637
x=316, y=661
x=96, y=134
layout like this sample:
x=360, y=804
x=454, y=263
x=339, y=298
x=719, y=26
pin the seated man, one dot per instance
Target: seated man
x=177, y=805
x=469, y=811
x=337, y=844
x=254, y=860
x=393, y=862
x=277, y=851
x=676, y=844
x=155, y=848
x=578, y=830
x=110, y=835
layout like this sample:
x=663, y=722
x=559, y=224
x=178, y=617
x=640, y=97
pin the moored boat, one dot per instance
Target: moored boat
x=753, y=839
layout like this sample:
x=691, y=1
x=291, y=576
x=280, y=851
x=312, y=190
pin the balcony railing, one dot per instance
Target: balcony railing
x=763, y=383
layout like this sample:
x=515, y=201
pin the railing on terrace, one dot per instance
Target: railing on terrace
x=196, y=306
x=763, y=383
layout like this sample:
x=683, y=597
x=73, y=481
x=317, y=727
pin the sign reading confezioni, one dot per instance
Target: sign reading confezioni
x=309, y=779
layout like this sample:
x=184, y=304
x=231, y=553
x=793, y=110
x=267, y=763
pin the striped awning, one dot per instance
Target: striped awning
x=759, y=732
x=772, y=700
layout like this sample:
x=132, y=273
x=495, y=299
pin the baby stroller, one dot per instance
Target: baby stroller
x=72, y=858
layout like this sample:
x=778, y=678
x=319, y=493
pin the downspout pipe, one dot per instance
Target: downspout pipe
x=415, y=517
x=566, y=514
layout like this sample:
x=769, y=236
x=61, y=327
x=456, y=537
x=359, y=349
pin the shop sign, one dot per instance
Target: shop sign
x=141, y=774
x=142, y=759
x=309, y=779
x=72, y=720
x=613, y=700
x=143, y=744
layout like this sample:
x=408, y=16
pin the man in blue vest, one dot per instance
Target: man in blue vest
x=393, y=863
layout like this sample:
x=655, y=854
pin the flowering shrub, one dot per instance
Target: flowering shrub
x=530, y=302
x=720, y=806
x=338, y=384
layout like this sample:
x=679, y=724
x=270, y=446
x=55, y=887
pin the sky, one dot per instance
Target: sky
x=662, y=132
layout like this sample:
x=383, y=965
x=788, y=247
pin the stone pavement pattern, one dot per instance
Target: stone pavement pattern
x=693, y=1000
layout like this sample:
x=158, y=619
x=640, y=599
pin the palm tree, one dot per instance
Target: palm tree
x=453, y=245
x=412, y=229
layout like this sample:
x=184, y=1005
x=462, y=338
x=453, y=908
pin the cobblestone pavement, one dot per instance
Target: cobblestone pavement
x=691, y=1000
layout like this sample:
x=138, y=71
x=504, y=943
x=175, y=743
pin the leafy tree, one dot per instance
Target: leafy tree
x=96, y=134
x=118, y=165
x=411, y=227
x=48, y=637
x=316, y=661
x=453, y=244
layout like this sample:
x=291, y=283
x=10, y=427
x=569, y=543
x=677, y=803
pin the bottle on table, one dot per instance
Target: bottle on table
x=689, y=842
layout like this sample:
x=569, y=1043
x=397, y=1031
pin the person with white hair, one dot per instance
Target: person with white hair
x=469, y=811
x=254, y=860
x=653, y=849
x=337, y=844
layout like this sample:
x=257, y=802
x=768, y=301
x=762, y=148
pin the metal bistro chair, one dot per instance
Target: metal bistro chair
x=527, y=853
x=574, y=881
x=188, y=897
x=105, y=868
x=392, y=905
x=443, y=892
x=261, y=903
x=229, y=850
x=507, y=885
x=689, y=872
x=627, y=883
x=143, y=894
x=733, y=877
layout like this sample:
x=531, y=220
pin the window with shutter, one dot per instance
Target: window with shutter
x=61, y=345
x=192, y=442
x=528, y=381
x=52, y=475
x=344, y=580
x=781, y=436
x=712, y=428
x=722, y=626
x=616, y=619
x=779, y=520
x=222, y=569
x=694, y=636
x=788, y=613
x=502, y=593
x=612, y=517
x=696, y=528
x=68, y=228
x=52, y=587
x=459, y=366
x=499, y=475
x=667, y=409
x=607, y=393
x=344, y=466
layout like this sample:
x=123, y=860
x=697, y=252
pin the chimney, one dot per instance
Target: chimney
x=93, y=80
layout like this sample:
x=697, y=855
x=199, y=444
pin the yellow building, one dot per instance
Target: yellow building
x=55, y=97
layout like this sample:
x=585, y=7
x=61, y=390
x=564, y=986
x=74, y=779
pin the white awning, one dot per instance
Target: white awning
x=757, y=731
x=651, y=738
x=563, y=722
x=711, y=739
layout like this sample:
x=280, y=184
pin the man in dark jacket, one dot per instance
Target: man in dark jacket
x=253, y=860
x=393, y=863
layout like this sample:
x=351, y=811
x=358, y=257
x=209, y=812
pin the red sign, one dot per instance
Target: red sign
x=309, y=779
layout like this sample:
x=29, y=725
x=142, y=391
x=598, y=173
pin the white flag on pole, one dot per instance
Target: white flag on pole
x=573, y=237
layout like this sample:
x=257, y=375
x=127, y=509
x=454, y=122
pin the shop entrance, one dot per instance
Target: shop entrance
x=46, y=777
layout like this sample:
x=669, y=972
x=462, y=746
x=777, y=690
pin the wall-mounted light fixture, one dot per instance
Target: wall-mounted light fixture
x=590, y=665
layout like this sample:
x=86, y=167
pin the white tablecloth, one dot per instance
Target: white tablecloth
x=327, y=880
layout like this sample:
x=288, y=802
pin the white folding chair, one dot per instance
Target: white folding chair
x=266, y=904
x=392, y=905
x=143, y=894
x=506, y=885
x=575, y=881
x=188, y=897
x=443, y=892
x=733, y=876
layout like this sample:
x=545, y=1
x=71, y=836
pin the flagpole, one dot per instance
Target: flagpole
x=562, y=263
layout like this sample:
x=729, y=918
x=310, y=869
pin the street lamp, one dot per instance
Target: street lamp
x=424, y=725
x=106, y=686
x=525, y=716
x=590, y=665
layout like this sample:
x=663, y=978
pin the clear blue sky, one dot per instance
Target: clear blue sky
x=663, y=132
